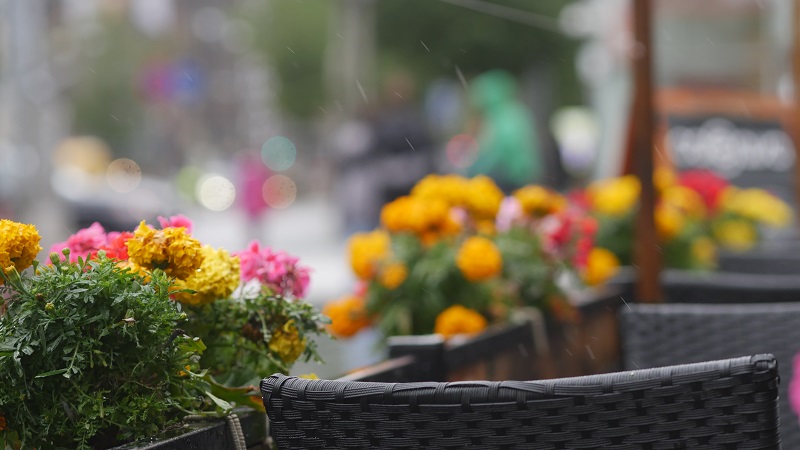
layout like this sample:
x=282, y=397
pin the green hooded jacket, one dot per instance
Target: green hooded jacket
x=507, y=140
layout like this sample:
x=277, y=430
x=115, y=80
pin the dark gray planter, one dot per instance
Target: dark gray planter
x=212, y=435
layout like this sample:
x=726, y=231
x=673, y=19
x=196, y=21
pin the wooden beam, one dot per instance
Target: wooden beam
x=647, y=253
x=793, y=127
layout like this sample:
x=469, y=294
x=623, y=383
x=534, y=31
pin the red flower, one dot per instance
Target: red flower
x=708, y=184
x=117, y=246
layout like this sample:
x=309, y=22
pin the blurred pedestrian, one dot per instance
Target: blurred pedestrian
x=508, y=149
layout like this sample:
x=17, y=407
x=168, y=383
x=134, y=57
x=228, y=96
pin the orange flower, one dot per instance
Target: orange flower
x=602, y=265
x=348, y=316
x=669, y=221
x=479, y=259
x=538, y=201
x=458, y=319
x=393, y=275
x=367, y=250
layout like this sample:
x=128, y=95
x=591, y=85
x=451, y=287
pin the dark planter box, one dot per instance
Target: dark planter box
x=212, y=435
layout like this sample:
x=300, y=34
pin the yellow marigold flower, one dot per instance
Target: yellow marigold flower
x=483, y=198
x=758, y=205
x=601, y=265
x=479, y=259
x=19, y=245
x=449, y=188
x=704, y=251
x=348, y=316
x=308, y=376
x=286, y=343
x=458, y=319
x=367, y=250
x=415, y=215
x=686, y=200
x=217, y=278
x=538, y=201
x=735, y=234
x=669, y=221
x=172, y=250
x=615, y=196
x=663, y=178
x=393, y=275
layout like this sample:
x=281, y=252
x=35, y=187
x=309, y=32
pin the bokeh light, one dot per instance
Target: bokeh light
x=123, y=175
x=279, y=191
x=216, y=192
x=278, y=153
x=461, y=150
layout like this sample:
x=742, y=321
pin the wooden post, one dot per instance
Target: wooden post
x=793, y=127
x=647, y=255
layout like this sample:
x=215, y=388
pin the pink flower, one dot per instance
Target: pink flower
x=794, y=386
x=510, y=212
x=85, y=241
x=176, y=221
x=276, y=270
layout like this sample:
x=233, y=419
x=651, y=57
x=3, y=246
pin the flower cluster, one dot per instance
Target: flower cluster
x=19, y=245
x=696, y=212
x=456, y=254
x=242, y=313
x=276, y=270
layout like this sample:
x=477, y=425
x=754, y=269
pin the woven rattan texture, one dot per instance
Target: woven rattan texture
x=714, y=405
x=665, y=334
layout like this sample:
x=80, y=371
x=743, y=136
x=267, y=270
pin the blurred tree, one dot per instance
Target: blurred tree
x=104, y=97
x=292, y=34
x=430, y=38
x=435, y=37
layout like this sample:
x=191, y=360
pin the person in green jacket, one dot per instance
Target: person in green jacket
x=507, y=141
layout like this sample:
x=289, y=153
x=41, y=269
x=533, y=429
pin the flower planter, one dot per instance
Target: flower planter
x=208, y=435
x=589, y=345
x=528, y=348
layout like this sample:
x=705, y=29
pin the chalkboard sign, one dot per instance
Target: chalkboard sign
x=748, y=153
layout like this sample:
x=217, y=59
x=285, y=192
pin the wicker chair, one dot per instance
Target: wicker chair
x=721, y=287
x=761, y=262
x=719, y=404
x=665, y=334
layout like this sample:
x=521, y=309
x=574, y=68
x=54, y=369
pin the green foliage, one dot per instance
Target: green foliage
x=529, y=279
x=238, y=331
x=104, y=98
x=617, y=235
x=293, y=36
x=434, y=283
x=92, y=355
x=473, y=41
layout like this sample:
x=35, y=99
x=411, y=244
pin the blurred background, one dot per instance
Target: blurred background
x=292, y=121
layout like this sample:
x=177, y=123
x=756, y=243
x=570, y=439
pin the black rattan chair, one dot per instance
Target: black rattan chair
x=761, y=262
x=665, y=334
x=720, y=404
x=722, y=287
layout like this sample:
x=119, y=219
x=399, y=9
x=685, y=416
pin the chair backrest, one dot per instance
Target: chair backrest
x=725, y=287
x=761, y=262
x=718, y=404
x=687, y=286
x=665, y=334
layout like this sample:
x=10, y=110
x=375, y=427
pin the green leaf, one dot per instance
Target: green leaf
x=222, y=404
x=50, y=373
